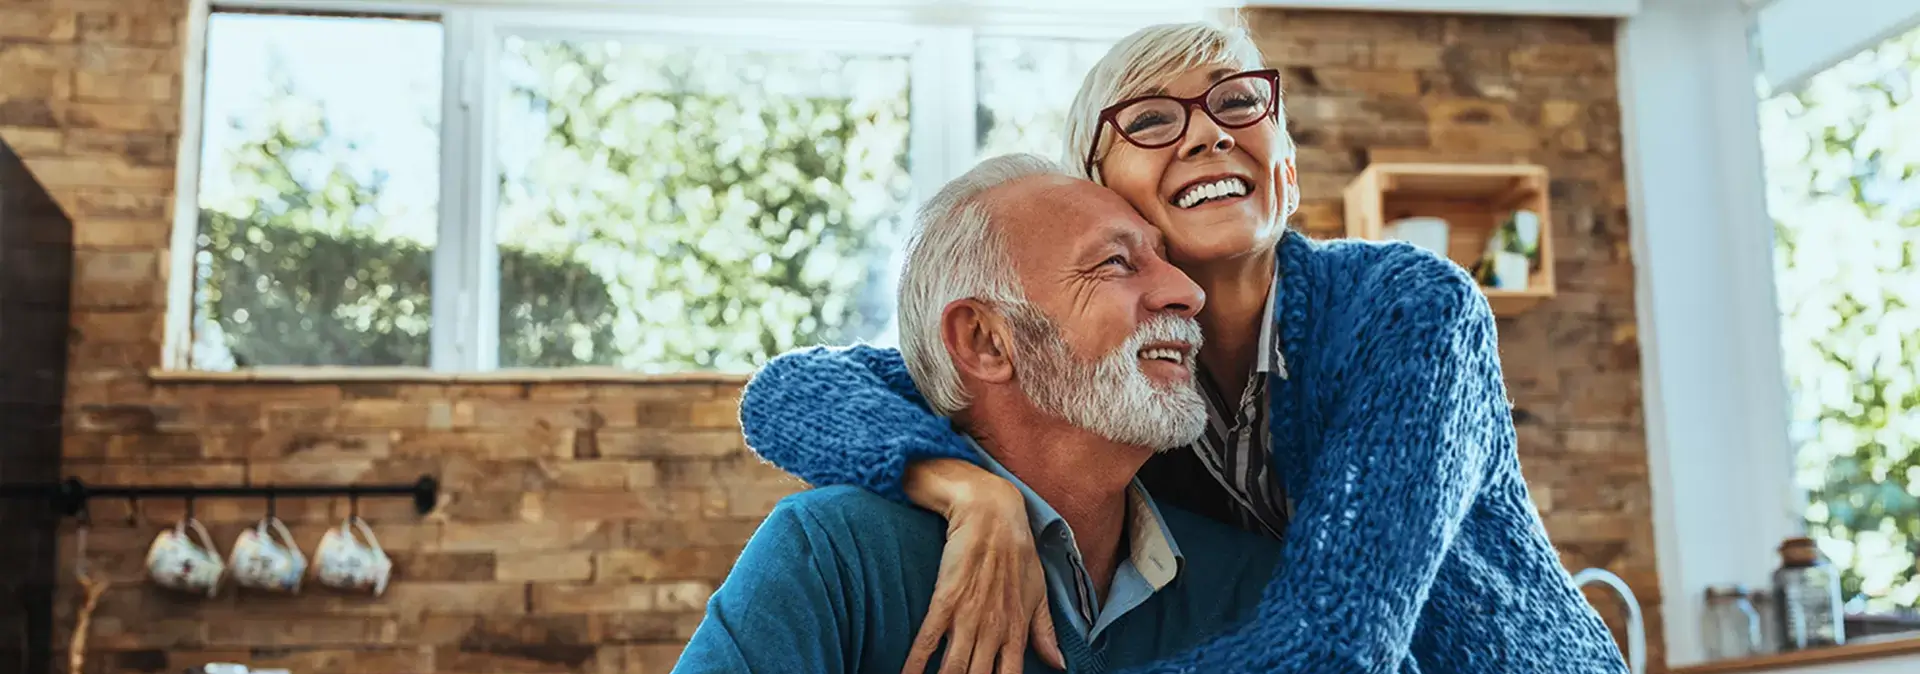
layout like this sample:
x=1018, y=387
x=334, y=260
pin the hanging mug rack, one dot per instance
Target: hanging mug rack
x=70, y=497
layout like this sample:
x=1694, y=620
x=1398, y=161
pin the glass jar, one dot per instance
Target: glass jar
x=1806, y=589
x=1733, y=625
x=1765, y=605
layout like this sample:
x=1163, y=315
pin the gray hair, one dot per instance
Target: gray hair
x=953, y=254
x=1140, y=62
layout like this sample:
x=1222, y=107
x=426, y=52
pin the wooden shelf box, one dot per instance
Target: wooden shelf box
x=1473, y=199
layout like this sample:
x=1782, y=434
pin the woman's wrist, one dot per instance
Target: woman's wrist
x=946, y=485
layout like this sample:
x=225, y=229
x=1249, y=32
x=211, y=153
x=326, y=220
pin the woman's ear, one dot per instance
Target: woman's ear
x=1289, y=177
x=977, y=341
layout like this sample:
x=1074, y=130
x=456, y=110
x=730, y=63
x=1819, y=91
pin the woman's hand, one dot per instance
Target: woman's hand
x=992, y=592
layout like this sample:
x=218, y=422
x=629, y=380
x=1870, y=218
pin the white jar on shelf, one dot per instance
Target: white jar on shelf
x=1425, y=232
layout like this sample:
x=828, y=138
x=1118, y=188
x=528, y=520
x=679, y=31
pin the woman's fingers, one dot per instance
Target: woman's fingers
x=983, y=595
x=985, y=651
x=959, y=649
x=1044, y=640
x=928, y=640
x=1013, y=654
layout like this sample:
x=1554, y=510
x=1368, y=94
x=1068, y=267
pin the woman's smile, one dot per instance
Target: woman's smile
x=1212, y=191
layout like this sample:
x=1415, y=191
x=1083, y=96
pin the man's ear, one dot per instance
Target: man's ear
x=977, y=341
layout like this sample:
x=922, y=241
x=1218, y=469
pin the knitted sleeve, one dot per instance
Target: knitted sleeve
x=845, y=416
x=1416, y=387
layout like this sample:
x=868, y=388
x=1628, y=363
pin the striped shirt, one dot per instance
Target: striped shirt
x=1237, y=447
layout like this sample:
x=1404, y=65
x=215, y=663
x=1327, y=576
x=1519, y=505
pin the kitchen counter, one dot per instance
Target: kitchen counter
x=1893, y=654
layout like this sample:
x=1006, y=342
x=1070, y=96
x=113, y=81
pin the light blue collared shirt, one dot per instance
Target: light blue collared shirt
x=1152, y=561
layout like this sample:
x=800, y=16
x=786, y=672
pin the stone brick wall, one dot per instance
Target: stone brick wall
x=581, y=529
x=583, y=524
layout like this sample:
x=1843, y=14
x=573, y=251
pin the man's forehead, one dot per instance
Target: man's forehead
x=1062, y=209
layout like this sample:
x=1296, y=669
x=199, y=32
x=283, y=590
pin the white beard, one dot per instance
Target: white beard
x=1112, y=397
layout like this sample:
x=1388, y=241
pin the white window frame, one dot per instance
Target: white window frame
x=938, y=36
x=479, y=258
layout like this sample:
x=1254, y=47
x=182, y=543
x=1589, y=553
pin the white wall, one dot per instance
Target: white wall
x=1800, y=38
x=1713, y=387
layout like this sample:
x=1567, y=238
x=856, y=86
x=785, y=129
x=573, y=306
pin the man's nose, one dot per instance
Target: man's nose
x=1203, y=134
x=1173, y=292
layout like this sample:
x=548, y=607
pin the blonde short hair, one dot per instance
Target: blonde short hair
x=1141, y=62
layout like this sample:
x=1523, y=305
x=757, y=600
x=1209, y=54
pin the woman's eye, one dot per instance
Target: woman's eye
x=1145, y=121
x=1241, y=101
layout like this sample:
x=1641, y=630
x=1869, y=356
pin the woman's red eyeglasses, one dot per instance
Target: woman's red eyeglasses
x=1149, y=122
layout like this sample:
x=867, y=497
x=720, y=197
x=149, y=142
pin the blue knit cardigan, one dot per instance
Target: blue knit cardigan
x=1414, y=546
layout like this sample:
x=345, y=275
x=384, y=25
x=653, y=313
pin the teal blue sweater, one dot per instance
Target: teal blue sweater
x=837, y=581
x=1414, y=545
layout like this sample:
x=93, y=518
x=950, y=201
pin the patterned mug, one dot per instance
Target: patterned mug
x=177, y=561
x=345, y=563
x=261, y=562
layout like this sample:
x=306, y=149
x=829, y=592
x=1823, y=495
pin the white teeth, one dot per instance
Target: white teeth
x=1169, y=355
x=1224, y=187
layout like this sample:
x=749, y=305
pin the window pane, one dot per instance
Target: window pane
x=674, y=208
x=1843, y=185
x=319, y=191
x=1025, y=86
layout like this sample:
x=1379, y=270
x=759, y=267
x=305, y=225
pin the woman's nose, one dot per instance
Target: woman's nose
x=1204, y=135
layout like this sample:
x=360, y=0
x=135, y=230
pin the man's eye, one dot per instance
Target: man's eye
x=1119, y=260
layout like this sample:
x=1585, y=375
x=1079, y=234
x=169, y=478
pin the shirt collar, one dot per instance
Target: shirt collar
x=1271, y=360
x=1150, y=544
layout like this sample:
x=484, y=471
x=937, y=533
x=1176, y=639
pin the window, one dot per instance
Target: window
x=1025, y=86
x=476, y=189
x=668, y=207
x=318, y=192
x=1843, y=181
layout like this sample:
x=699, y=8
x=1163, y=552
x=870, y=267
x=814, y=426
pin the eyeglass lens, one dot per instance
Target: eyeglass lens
x=1234, y=102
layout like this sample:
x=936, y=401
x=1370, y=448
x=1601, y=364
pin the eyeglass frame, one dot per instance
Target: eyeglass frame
x=1107, y=114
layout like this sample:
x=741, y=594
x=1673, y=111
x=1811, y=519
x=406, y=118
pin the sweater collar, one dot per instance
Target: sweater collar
x=1291, y=298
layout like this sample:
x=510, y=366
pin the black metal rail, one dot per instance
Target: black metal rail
x=70, y=497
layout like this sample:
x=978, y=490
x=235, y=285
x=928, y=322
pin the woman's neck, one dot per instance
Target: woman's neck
x=1237, y=291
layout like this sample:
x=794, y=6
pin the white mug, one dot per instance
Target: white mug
x=259, y=561
x=176, y=561
x=348, y=564
x=1510, y=271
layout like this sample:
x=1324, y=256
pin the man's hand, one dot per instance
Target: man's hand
x=992, y=592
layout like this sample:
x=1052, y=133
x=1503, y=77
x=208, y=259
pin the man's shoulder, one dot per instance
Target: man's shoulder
x=1204, y=536
x=848, y=513
x=1224, y=572
x=1219, y=558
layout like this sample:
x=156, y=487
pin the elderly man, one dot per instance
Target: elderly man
x=1037, y=312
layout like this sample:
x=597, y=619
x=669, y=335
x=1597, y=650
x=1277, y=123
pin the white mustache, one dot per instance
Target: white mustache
x=1165, y=328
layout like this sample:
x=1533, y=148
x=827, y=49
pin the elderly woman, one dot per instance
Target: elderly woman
x=1355, y=399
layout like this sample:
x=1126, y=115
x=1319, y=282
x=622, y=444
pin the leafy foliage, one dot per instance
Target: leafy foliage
x=293, y=269
x=661, y=209
x=1842, y=159
x=301, y=270
x=736, y=203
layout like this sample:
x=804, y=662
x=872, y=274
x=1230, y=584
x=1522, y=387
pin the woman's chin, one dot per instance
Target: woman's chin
x=1207, y=235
